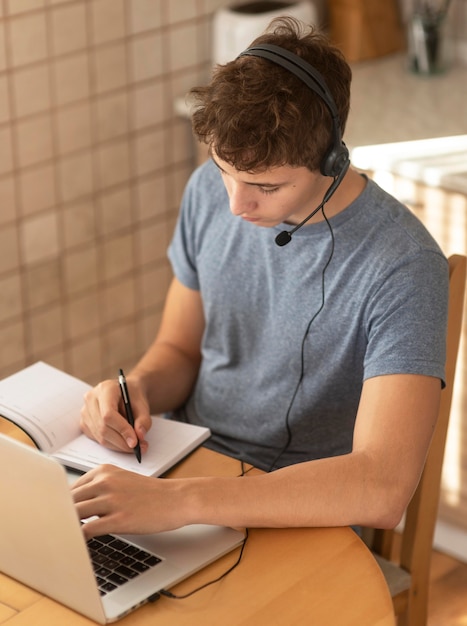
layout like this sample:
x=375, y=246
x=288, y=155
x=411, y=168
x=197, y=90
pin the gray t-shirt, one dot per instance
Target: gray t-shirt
x=385, y=309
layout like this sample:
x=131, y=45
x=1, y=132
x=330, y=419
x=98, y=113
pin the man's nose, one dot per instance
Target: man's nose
x=241, y=199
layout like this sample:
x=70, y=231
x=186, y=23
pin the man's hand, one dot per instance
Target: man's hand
x=126, y=503
x=102, y=416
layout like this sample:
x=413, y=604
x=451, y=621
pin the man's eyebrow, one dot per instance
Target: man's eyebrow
x=248, y=183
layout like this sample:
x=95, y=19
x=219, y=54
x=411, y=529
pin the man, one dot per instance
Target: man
x=320, y=362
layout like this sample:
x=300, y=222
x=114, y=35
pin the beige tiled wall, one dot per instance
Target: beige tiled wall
x=93, y=161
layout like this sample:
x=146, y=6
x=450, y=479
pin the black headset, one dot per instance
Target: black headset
x=334, y=164
x=336, y=161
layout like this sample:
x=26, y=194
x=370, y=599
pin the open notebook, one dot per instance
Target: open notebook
x=42, y=546
x=46, y=402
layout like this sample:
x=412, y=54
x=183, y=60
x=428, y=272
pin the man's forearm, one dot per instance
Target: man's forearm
x=338, y=491
x=167, y=375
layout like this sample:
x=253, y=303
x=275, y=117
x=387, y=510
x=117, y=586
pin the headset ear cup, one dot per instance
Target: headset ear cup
x=335, y=160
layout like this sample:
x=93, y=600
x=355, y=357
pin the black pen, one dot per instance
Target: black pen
x=128, y=409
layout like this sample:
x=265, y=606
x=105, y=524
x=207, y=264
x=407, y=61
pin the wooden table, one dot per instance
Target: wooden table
x=316, y=576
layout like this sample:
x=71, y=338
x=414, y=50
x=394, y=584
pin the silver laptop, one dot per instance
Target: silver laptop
x=42, y=545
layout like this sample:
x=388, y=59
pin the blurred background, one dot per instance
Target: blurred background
x=94, y=155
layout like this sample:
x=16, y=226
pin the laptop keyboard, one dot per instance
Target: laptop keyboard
x=115, y=561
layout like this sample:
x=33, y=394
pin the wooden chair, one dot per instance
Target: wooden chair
x=409, y=580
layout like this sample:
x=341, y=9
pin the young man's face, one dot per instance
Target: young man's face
x=279, y=194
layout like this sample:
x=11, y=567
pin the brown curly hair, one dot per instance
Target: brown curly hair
x=257, y=115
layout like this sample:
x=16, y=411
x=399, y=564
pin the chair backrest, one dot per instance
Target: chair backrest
x=421, y=513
